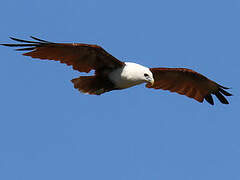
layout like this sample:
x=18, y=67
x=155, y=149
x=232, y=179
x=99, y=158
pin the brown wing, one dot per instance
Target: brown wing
x=188, y=82
x=83, y=57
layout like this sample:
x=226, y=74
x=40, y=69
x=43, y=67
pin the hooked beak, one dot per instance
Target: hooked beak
x=151, y=81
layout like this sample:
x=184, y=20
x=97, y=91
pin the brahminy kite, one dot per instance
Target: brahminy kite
x=113, y=74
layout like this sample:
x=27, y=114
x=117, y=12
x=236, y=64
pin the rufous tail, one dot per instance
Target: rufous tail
x=92, y=84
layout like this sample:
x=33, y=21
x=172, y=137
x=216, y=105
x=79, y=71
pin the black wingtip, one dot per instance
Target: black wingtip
x=209, y=99
x=25, y=49
x=37, y=39
x=225, y=92
x=5, y=45
x=21, y=40
x=224, y=87
x=26, y=41
x=219, y=94
x=221, y=98
x=29, y=45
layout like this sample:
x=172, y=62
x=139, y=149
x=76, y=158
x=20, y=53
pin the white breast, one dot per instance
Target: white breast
x=129, y=75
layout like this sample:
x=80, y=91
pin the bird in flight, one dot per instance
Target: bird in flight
x=113, y=74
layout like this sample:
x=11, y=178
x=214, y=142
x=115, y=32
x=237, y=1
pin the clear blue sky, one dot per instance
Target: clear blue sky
x=48, y=130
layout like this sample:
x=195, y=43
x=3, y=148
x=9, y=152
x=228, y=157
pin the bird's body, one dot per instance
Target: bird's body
x=113, y=74
x=130, y=74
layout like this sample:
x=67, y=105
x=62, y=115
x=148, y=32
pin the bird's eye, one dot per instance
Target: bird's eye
x=146, y=75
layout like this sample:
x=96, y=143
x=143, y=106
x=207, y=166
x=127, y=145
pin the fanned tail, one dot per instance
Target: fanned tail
x=92, y=85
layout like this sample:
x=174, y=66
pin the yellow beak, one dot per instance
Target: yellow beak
x=151, y=81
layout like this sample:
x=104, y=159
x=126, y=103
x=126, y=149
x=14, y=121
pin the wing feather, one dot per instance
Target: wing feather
x=188, y=82
x=82, y=57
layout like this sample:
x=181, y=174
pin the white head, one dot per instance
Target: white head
x=132, y=74
x=139, y=72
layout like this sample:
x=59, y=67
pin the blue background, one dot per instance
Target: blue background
x=48, y=130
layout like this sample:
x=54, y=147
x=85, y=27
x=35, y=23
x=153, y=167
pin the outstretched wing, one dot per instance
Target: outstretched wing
x=82, y=57
x=188, y=82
